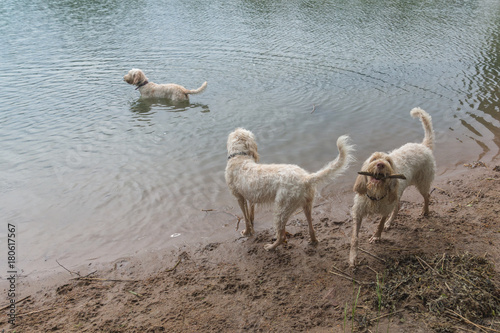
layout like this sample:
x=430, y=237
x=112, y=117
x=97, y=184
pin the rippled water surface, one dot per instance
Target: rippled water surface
x=89, y=170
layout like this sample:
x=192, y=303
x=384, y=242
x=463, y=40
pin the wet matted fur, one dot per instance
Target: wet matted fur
x=288, y=186
x=381, y=196
x=174, y=92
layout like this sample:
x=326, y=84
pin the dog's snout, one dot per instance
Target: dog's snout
x=380, y=165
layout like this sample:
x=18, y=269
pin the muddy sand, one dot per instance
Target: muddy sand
x=428, y=274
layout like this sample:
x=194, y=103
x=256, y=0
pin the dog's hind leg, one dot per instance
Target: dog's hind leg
x=280, y=238
x=424, y=190
x=307, y=212
x=252, y=211
x=281, y=215
x=244, y=209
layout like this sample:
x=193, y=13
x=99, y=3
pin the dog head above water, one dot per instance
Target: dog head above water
x=242, y=142
x=135, y=77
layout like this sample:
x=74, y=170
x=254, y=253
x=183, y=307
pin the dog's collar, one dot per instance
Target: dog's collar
x=143, y=83
x=375, y=199
x=236, y=154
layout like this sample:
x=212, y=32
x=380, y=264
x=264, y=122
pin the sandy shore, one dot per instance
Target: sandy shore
x=231, y=285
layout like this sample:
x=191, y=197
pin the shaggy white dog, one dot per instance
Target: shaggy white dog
x=288, y=186
x=378, y=193
x=148, y=89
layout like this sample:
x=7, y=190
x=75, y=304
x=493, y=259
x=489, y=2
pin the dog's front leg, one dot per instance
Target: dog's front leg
x=353, y=254
x=378, y=234
x=393, y=215
x=248, y=223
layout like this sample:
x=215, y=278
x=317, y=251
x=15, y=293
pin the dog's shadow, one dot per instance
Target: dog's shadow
x=145, y=108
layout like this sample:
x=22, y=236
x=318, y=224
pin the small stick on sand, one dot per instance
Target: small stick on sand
x=175, y=266
x=33, y=312
x=350, y=278
x=21, y=300
x=70, y=272
x=238, y=219
x=387, y=314
x=482, y=328
x=371, y=254
x=347, y=276
x=103, y=280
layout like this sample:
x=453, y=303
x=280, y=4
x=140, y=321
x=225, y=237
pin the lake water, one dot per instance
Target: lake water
x=89, y=171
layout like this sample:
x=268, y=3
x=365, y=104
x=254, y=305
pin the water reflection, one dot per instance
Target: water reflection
x=145, y=108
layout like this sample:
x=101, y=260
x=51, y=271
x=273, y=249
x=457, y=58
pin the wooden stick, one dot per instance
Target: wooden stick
x=70, y=272
x=33, y=312
x=482, y=328
x=103, y=280
x=371, y=269
x=387, y=314
x=346, y=276
x=17, y=302
x=374, y=256
x=418, y=258
x=175, y=266
x=236, y=216
x=381, y=177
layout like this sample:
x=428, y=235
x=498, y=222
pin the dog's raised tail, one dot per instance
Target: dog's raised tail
x=426, y=120
x=199, y=90
x=336, y=167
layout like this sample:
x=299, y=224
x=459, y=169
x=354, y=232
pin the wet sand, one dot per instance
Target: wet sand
x=232, y=284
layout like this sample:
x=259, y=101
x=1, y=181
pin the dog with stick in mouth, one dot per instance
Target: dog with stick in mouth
x=384, y=177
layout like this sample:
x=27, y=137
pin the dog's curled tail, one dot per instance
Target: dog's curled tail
x=336, y=167
x=199, y=90
x=426, y=120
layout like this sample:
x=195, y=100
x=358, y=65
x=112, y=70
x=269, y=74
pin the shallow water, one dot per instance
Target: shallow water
x=90, y=171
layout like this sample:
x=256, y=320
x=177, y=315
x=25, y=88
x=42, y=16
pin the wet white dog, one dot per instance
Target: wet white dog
x=288, y=186
x=379, y=194
x=174, y=92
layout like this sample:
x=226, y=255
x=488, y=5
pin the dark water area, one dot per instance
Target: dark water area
x=89, y=170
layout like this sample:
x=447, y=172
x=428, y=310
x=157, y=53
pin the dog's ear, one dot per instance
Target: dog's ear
x=360, y=184
x=391, y=163
x=251, y=146
x=138, y=77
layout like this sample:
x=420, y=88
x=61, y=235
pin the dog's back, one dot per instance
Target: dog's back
x=416, y=160
x=263, y=183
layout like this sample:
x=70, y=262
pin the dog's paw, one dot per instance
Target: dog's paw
x=269, y=247
x=313, y=242
x=374, y=239
x=247, y=233
x=353, y=255
x=387, y=225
